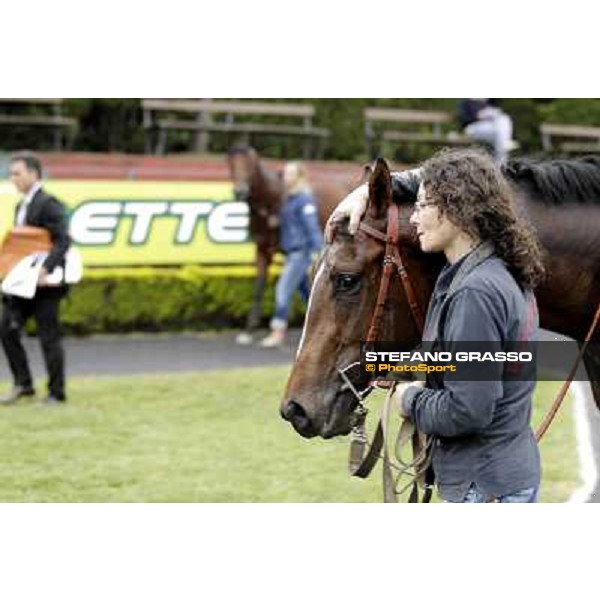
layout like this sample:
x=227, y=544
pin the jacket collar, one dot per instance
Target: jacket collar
x=449, y=281
x=28, y=198
x=453, y=275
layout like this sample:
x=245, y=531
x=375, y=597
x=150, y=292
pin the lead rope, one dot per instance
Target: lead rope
x=416, y=469
x=549, y=418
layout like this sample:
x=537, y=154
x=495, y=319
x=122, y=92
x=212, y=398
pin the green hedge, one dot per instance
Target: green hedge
x=144, y=299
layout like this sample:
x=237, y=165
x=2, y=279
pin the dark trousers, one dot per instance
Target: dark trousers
x=45, y=310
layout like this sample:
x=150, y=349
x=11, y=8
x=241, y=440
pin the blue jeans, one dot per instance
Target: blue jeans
x=528, y=496
x=293, y=277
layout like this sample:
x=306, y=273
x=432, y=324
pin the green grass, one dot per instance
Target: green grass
x=205, y=437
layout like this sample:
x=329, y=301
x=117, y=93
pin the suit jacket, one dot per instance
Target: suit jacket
x=47, y=212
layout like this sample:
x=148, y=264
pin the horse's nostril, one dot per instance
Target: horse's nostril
x=296, y=415
x=293, y=410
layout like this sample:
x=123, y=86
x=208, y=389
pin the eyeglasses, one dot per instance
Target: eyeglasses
x=421, y=205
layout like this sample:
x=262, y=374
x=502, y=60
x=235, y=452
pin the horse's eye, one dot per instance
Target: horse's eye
x=346, y=283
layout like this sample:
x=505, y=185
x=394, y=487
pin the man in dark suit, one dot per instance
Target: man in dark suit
x=36, y=209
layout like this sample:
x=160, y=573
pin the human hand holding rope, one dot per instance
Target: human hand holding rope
x=400, y=391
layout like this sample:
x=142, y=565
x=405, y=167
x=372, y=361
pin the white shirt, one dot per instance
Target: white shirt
x=35, y=188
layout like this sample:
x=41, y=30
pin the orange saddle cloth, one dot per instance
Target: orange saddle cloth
x=21, y=242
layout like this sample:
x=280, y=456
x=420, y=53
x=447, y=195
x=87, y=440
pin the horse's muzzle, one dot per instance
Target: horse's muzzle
x=294, y=413
x=337, y=422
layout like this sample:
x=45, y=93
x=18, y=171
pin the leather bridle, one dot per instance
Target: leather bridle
x=361, y=465
x=392, y=262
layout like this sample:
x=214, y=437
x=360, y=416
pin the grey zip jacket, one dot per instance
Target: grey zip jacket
x=480, y=430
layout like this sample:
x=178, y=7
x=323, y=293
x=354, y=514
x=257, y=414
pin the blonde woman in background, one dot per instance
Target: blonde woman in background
x=301, y=238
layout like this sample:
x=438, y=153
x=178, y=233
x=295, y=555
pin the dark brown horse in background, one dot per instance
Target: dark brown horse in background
x=562, y=201
x=262, y=189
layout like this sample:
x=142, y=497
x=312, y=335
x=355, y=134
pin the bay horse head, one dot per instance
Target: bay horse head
x=243, y=162
x=320, y=399
x=261, y=189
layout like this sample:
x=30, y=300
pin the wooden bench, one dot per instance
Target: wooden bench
x=581, y=139
x=50, y=116
x=206, y=116
x=425, y=126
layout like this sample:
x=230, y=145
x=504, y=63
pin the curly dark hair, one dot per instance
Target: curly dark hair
x=470, y=189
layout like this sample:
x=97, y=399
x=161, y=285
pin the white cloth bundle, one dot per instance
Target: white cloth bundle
x=23, y=278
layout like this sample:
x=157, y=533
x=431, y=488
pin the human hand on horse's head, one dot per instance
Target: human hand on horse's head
x=354, y=206
x=405, y=186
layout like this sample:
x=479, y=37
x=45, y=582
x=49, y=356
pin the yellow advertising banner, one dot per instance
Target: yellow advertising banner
x=128, y=223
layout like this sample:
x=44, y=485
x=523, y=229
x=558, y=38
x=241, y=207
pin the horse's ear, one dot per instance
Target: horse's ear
x=380, y=189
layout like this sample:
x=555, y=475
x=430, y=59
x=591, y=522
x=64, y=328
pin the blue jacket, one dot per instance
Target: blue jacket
x=300, y=230
x=481, y=429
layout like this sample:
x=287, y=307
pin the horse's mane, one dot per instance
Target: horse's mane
x=559, y=181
